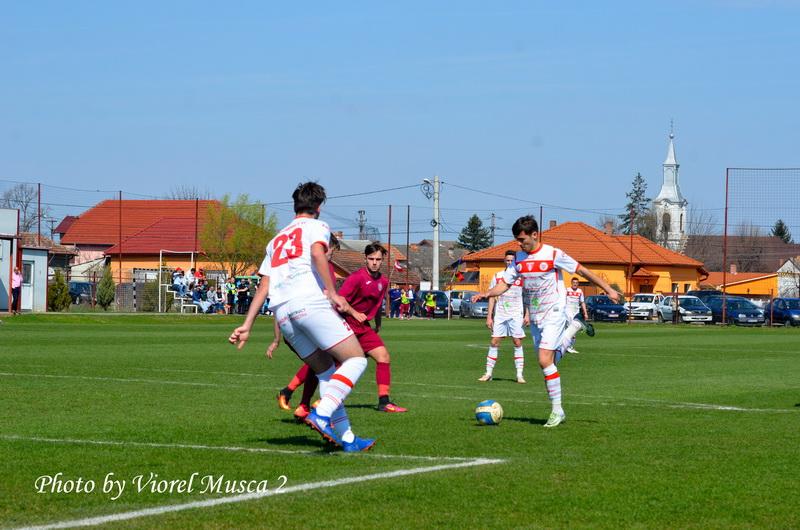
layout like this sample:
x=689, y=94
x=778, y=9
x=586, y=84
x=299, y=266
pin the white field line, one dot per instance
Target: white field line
x=159, y=510
x=38, y=439
x=615, y=401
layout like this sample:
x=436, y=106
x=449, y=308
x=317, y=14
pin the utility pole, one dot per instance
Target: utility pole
x=362, y=223
x=435, y=223
x=492, y=228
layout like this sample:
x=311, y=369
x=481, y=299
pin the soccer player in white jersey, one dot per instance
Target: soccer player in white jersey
x=539, y=267
x=507, y=317
x=575, y=305
x=295, y=275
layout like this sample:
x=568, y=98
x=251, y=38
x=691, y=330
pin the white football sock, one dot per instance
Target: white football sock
x=519, y=360
x=491, y=359
x=340, y=385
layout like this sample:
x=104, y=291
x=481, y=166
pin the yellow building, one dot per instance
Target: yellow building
x=756, y=285
x=632, y=264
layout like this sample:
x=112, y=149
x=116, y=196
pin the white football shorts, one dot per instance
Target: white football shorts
x=511, y=327
x=548, y=334
x=311, y=325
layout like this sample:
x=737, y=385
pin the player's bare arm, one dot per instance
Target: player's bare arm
x=494, y=292
x=490, y=313
x=526, y=316
x=241, y=334
x=598, y=281
x=275, y=342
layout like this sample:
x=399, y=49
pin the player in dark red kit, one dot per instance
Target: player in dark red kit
x=365, y=291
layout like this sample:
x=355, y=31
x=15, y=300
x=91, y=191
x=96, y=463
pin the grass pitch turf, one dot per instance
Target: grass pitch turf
x=666, y=427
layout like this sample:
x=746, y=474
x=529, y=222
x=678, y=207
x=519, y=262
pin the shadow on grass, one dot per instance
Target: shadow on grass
x=306, y=441
x=532, y=421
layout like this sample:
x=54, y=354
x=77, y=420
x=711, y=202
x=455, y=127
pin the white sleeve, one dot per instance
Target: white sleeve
x=319, y=233
x=266, y=266
x=510, y=275
x=564, y=262
x=581, y=298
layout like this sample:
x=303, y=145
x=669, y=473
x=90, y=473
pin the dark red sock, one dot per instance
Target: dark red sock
x=298, y=378
x=383, y=377
x=309, y=388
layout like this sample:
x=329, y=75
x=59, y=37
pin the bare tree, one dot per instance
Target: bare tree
x=747, y=247
x=188, y=192
x=23, y=197
x=704, y=242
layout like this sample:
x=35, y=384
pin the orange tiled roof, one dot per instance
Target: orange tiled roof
x=715, y=278
x=167, y=233
x=32, y=240
x=590, y=245
x=350, y=261
x=99, y=225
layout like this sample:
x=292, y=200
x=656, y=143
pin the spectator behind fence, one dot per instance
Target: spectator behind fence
x=216, y=299
x=230, y=292
x=197, y=299
x=241, y=296
x=190, y=279
x=16, y=288
x=394, y=301
x=179, y=282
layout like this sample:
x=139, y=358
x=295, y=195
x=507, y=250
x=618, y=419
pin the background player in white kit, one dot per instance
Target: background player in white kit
x=539, y=266
x=507, y=317
x=294, y=273
x=576, y=305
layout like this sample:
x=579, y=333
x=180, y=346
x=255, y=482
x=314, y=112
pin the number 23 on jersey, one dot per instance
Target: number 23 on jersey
x=287, y=246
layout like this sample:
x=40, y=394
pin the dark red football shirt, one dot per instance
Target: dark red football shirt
x=365, y=293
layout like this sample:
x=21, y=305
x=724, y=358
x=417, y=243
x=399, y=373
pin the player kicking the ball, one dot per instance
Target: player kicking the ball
x=292, y=274
x=507, y=316
x=539, y=267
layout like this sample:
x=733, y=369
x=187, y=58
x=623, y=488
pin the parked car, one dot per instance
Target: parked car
x=470, y=309
x=785, y=311
x=441, y=304
x=80, y=292
x=644, y=305
x=738, y=310
x=704, y=294
x=600, y=307
x=690, y=309
x=456, y=297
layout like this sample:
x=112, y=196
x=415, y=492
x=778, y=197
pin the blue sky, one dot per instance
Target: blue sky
x=552, y=102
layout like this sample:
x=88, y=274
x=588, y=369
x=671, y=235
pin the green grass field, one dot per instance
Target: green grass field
x=678, y=427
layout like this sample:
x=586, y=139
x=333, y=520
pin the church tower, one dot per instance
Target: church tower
x=670, y=206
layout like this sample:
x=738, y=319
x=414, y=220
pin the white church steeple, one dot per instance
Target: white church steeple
x=670, y=206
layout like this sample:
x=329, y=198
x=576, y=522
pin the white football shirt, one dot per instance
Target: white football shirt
x=288, y=261
x=574, y=300
x=509, y=304
x=542, y=280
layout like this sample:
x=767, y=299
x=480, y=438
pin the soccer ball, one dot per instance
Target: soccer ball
x=489, y=412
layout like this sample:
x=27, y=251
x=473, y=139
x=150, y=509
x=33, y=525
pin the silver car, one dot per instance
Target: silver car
x=691, y=309
x=470, y=309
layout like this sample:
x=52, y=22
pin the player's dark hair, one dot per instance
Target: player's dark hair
x=525, y=224
x=308, y=197
x=510, y=253
x=333, y=242
x=373, y=248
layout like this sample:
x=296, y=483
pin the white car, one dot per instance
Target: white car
x=644, y=305
x=691, y=309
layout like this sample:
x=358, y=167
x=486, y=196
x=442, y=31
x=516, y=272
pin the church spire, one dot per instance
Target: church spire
x=669, y=205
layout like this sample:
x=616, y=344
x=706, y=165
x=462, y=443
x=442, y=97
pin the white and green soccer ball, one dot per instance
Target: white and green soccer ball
x=489, y=412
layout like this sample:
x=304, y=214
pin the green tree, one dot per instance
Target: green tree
x=638, y=202
x=106, y=290
x=474, y=236
x=235, y=234
x=782, y=231
x=58, y=298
